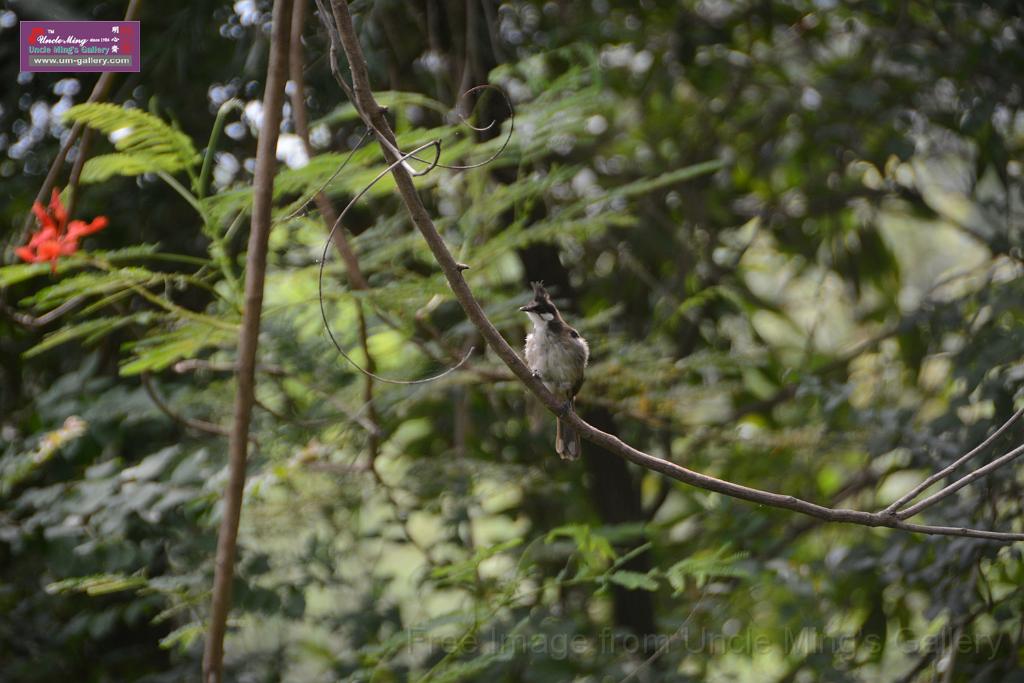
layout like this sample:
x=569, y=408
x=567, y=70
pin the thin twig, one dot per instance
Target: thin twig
x=202, y=365
x=35, y=322
x=402, y=158
x=248, y=340
x=504, y=144
x=914, y=492
x=305, y=201
x=332, y=32
x=355, y=275
x=298, y=100
x=954, y=649
x=165, y=408
x=370, y=427
x=668, y=641
x=336, y=47
x=374, y=117
x=960, y=483
x=340, y=469
x=389, y=141
x=76, y=171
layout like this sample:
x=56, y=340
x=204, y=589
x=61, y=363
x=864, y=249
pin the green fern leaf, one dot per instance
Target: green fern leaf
x=158, y=351
x=19, y=272
x=90, y=330
x=104, y=166
x=92, y=283
x=145, y=143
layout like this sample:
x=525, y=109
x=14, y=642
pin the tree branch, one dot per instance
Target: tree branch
x=298, y=100
x=192, y=423
x=248, y=340
x=914, y=492
x=76, y=171
x=356, y=279
x=373, y=116
x=36, y=322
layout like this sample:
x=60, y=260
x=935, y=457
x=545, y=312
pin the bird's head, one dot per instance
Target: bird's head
x=541, y=307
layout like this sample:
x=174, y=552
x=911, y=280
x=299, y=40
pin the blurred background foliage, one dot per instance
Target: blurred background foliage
x=790, y=230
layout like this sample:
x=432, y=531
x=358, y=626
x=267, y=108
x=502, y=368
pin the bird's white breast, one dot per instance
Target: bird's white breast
x=558, y=360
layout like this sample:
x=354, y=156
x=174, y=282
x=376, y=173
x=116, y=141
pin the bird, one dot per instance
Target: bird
x=557, y=355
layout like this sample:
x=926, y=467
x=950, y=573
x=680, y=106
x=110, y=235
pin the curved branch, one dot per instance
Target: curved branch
x=35, y=322
x=388, y=141
x=374, y=116
x=436, y=144
x=192, y=423
x=356, y=278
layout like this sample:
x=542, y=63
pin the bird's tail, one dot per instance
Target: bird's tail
x=567, y=441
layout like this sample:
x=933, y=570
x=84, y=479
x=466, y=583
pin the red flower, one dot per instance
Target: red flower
x=55, y=237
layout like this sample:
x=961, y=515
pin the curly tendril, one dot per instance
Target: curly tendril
x=436, y=145
x=508, y=137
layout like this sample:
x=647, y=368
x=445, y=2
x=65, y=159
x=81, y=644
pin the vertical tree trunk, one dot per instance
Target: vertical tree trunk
x=248, y=340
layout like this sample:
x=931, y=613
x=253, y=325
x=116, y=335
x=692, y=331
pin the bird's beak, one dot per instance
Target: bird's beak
x=528, y=308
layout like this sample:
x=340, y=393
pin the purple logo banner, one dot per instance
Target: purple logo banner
x=77, y=46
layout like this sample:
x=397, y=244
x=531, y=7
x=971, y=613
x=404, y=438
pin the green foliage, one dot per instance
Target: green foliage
x=789, y=231
x=19, y=272
x=99, y=584
x=468, y=569
x=144, y=143
x=188, y=340
x=633, y=580
x=595, y=550
x=89, y=331
x=701, y=568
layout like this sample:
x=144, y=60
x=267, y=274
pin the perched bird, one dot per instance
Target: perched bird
x=557, y=355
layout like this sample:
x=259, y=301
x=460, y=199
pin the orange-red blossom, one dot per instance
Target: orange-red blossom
x=56, y=237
